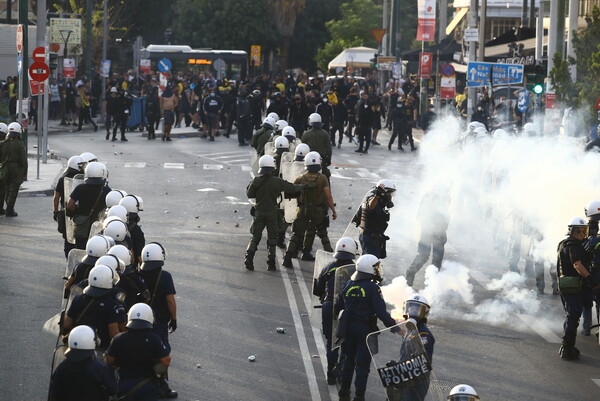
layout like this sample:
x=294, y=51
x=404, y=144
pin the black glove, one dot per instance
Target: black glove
x=172, y=325
x=55, y=215
x=380, y=191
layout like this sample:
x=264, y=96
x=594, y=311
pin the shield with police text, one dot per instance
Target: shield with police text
x=70, y=184
x=342, y=275
x=402, y=364
x=289, y=172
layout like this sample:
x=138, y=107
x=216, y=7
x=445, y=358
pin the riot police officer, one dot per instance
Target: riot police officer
x=97, y=307
x=74, y=167
x=13, y=166
x=121, y=115
x=463, y=392
x=261, y=137
x=345, y=252
x=417, y=308
x=363, y=303
x=95, y=247
x=372, y=217
x=313, y=205
x=139, y=354
x=266, y=188
x=573, y=269
x=134, y=205
x=3, y=133
x=130, y=281
x=162, y=300
x=591, y=245
x=80, y=375
x=318, y=141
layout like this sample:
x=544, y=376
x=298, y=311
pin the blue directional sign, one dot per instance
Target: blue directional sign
x=481, y=74
x=19, y=64
x=164, y=65
x=523, y=100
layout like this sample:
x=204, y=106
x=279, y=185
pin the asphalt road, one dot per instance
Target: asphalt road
x=195, y=205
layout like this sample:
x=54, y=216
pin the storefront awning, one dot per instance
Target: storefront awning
x=456, y=20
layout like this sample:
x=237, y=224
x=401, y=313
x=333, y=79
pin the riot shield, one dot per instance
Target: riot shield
x=97, y=227
x=342, y=275
x=402, y=364
x=270, y=148
x=254, y=162
x=322, y=259
x=70, y=185
x=289, y=172
x=75, y=256
x=287, y=157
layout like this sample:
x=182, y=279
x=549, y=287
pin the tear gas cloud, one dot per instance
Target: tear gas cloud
x=504, y=190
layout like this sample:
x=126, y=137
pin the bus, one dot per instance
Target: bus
x=184, y=57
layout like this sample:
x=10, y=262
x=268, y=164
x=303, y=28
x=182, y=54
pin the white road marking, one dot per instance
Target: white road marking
x=540, y=328
x=174, y=165
x=207, y=190
x=246, y=168
x=338, y=175
x=135, y=164
x=212, y=166
x=365, y=173
x=232, y=198
x=597, y=381
x=352, y=161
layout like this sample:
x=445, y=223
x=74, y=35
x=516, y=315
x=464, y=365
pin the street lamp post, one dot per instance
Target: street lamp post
x=64, y=32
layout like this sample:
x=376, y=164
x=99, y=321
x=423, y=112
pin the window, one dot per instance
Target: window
x=502, y=25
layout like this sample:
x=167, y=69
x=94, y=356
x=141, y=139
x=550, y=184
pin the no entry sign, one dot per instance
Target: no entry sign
x=39, y=71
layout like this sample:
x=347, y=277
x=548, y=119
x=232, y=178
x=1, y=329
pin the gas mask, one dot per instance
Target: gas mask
x=387, y=200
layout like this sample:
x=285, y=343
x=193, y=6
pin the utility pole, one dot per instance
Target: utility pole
x=41, y=107
x=481, y=32
x=443, y=20
x=385, y=23
x=24, y=79
x=104, y=51
x=89, y=10
x=472, y=92
x=573, y=21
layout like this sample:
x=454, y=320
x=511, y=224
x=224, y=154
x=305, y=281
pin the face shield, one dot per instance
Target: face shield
x=378, y=272
x=463, y=397
x=415, y=309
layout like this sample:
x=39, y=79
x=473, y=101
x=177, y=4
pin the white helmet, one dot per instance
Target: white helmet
x=121, y=252
x=315, y=119
x=367, y=266
x=95, y=247
x=280, y=125
x=153, y=256
x=116, y=229
x=82, y=338
x=274, y=116
x=592, y=210
x=301, y=151
x=100, y=281
x=3, y=129
x=114, y=263
x=282, y=144
x=140, y=317
x=119, y=211
x=500, y=134
x=312, y=161
x=89, y=157
x=475, y=124
x=345, y=249
x=289, y=131
x=95, y=173
x=14, y=130
x=266, y=164
x=111, y=242
x=388, y=185
x=577, y=222
x=75, y=162
x=463, y=392
x=416, y=307
x=269, y=121
x=529, y=129
x=114, y=197
x=481, y=132
x=132, y=203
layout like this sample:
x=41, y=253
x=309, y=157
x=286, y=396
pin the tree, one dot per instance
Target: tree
x=353, y=28
x=284, y=14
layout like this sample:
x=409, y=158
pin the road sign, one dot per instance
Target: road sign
x=39, y=71
x=471, y=35
x=597, y=105
x=19, y=38
x=482, y=74
x=255, y=55
x=385, y=63
x=425, y=64
x=39, y=54
x=164, y=65
x=523, y=100
x=219, y=64
x=378, y=34
x=19, y=64
x=447, y=70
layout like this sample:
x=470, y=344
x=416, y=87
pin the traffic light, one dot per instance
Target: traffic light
x=374, y=61
x=53, y=61
x=538, y=89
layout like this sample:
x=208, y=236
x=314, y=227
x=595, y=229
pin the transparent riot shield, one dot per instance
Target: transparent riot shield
x=342, y=275
x=270, y=148
x=254, y=162
x=289, y=172
x=97, y=227
x=287, y=157
x=402, y=364
x=75, y=256
x=70, y=185
x=322, y=259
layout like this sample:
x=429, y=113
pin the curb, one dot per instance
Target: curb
x=36, y=194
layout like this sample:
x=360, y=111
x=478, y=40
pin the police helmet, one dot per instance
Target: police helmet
x=117, y=265
x=100, y=281
x=592, y=210
x=95, y=173
x=82, y=343
x=416, y=307
x=255, y=92
x=500, y=134
x=301, y=151
x=89, y=157
x=481, y=133
x=312, y=161
x=463, y=392
x=116, y=229
x=114, y=197
x=289, y=132
x=529, y=129
x=345, y=249
x=119, y=211
x=121, y=252
x=578, y=222
x=14, y=130
x=315, y=120
x=274, y=116
x=367, y=265
x=266, y=164
x=140, y=317
x=388, y=185
x=153, y=256
x=280, y=125
x=95, y=247
x=3, y=130
x=75, y=162
x=132, y=203
x=268, y=122
x=281, y=144
x=475, y=124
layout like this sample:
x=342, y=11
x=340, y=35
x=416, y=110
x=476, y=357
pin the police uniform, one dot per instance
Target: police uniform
x=592, y=247
x=363, y=302
x=13, y=170
x=373, y=224
x=160, y=284
x=312, y=209
x=60, y=190
x=138, y=240
x=317, y=140
x=134, y=287
x=89, y=195
x=266, y=189
x=78, y=379
x=2, y=193
x=136, y=352
x=97, y=313
x=121, y=110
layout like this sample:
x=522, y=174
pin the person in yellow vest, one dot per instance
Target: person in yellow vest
x=85, y=111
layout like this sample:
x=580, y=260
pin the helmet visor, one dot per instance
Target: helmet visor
x=463, y=397
x=415, y=309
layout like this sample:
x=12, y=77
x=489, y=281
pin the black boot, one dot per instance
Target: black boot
x=10, y=212
x=107, y=136
x=287, y=260
x=331, y=379
x=344, y=392
x=568, y=351
x=249, y=260
x=307, y=256
x=281, y=240
x=165, y=391
x=271, y=265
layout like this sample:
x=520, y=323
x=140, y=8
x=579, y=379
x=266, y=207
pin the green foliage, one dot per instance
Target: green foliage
x=353, y=29
x=563, y=85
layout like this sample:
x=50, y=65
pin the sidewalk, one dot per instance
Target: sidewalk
x=49, y=174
